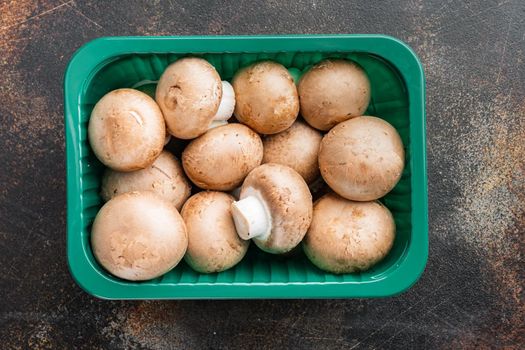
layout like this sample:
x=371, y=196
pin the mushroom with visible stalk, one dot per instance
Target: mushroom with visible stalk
x=126, y=130
x=275, y=208
x=226, y=107
x=347, y=236
x=165, y=177
x=138, y=236
x=213, y=243
x=362, y=159
x=267, y=99
x=333, y=91
x=221, y=158
x=192, y=97
x=296, y=147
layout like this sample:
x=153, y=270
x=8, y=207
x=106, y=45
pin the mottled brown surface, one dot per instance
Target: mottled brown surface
x=265, y=97
x=471, y=294
x=296, y=147
x=234, y=144
x=213, y=243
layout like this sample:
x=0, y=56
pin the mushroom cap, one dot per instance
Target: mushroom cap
x=138, y=236
x=266, y=97
x=333, y=91
x=287, y=198
x=296, y=147
x=165, y=177
x=213, y=243
x=126, y=130
x=221, y=158
x=347, y=236
x=189, y=93
x=362, y=159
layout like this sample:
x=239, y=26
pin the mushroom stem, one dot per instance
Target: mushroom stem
x=251, y=218
x=227, y=104
x=216, y=123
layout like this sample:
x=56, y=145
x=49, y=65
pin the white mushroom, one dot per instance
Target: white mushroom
x=347, y=236
x=138, y=236
x=275, y=208
x=213, y=243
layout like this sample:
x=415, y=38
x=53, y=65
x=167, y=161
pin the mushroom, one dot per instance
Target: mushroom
x=362, y=159
x=165, y=177
x=333, y=91
x=221, y=158
x=267, y=99
x=213, y=243
x=296, y=147
x=148, y=87
x=275, y=208
x=347, y=236
x=226, y=107
x=126, y=130
x=192, y=97
x=138, y=236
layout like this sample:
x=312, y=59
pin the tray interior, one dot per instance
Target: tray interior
x=389, y=101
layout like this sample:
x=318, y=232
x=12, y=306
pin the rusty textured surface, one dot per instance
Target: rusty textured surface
x=471, y=294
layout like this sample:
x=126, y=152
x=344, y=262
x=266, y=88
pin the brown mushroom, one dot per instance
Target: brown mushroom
x=213, y=243
x=333, y=91
x=190, y=95
x=126, y=130
x=347, y=236
x=296, y=147
x=165, y=177
x=266, y=95
x=221, y=158
x=138, y=236
x=362, y=159
x=275, y=208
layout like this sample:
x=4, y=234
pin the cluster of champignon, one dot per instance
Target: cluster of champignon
x=251, y=165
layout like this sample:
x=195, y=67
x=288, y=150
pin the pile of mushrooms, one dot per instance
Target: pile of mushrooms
x=253, y=152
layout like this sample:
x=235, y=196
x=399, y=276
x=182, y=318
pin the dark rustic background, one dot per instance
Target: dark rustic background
x=471, y=294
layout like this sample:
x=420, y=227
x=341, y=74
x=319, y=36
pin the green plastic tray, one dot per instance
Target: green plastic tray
x=398, y=95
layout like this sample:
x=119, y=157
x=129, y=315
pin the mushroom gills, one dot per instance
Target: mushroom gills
x=251, y=217
x=226, y=106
